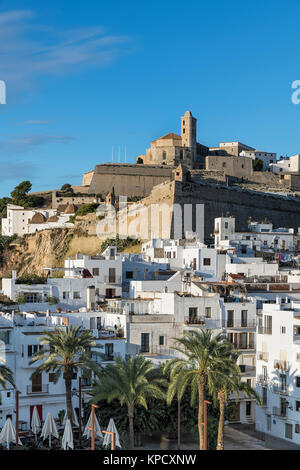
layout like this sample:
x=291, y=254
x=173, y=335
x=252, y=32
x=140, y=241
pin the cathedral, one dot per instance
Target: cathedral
x=173, y=149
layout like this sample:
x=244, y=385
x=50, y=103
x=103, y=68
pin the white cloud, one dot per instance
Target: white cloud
x=19, y=144
x=29, y=50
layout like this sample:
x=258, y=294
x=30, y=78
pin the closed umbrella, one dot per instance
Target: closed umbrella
x=67, y=440
x=49, y=428
x=8, y=433
x=35, y=422
x=88, y=433
x=74, y=416
x=108, y=437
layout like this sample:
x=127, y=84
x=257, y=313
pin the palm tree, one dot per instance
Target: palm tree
x=6, y=375
x=67, y=350
x=204, y=358
x=225, y=386
x=131, y=381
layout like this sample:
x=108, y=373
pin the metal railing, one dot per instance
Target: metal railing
x=282, y=365
x=263, y=356
x=37, y=388
x=281, y=412
x=112, y=279
x=239, y=324
x=262, y=379
x=264, y=330
x=280, y=388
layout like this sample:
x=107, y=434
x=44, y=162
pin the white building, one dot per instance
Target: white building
x=278, y=371
x=19, y=341
x=21, y=221
x=258, y=237
x=286, y=165
x=266, y=157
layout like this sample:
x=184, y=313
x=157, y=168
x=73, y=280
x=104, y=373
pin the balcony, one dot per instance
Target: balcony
x=282, y=389
x=264, y=330
x=112, y=279
x=280, y=412
x=238, y=325
x=262, y=379
x=194, y=321
x=37, y=389
x=282, y=365
x=262, y=356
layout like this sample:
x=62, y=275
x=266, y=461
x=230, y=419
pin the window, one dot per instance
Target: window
x=5, y=337
x=207, y=312
x=283, y=330
x=76, y=295
x=181, y=154
x=65, y=295
x=8, y=394
x=224, y=165
x=129, y=274
x=297, y=381
x=32, y=349
x=248, y=408
x=161, y=340
x=95, y=271
x=297, y=428
x=206, y=261
x=51, y=377
x=164, y=155
x=297, y=405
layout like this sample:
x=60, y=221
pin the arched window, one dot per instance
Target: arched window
x=164, y=155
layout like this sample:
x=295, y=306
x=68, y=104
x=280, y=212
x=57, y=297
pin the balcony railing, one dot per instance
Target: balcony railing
x=262, y=379
x=282, y=365
x=263, y=356
x=280, y=388
x=112, y=279
x=239, y=324
x=281, y=412
x=264, y=330
x=37, y=389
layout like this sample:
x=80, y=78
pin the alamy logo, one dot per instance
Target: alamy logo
x=2, y=92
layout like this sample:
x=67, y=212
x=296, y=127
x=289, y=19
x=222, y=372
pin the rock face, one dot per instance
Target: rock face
x=29, y=254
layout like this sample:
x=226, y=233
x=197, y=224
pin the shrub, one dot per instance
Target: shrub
x=51, y=300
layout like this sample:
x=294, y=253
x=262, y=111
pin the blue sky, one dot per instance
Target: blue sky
x=82, y=77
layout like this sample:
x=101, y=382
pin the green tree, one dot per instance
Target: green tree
x=204, y=357
x=66, y=351
x=6, y=375
x=132, y=381
x=257, y=164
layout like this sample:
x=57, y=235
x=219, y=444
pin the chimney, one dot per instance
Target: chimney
x=90, y=297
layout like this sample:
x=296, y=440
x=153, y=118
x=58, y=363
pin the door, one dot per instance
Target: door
x=112, y=275
x=236, y=412
x=36, y=383
x=145, y=342
x=230, y=318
